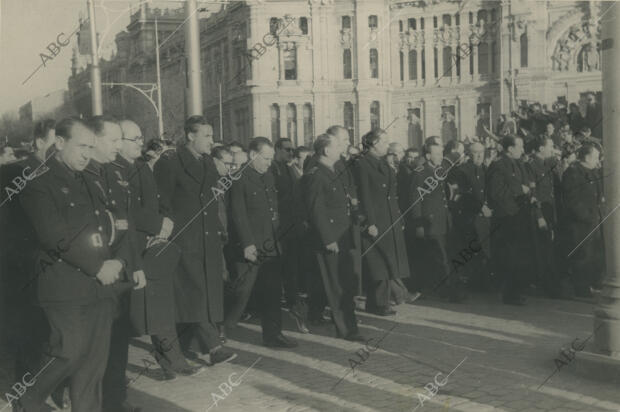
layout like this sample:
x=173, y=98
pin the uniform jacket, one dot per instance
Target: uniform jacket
x=289, y=198
x=471, y=180
x=542, y=174
x=185, y=185
x=505, y=194
x=253, y=208
x=583, y=201
x=387, y=257
x=329, y=212
x=73, y=234
x=429, y=210
x=403, y=185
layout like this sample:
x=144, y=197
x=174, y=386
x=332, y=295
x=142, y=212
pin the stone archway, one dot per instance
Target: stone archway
x=576, y=49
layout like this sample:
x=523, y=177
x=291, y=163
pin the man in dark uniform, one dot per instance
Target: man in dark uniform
x=187, y=180
x=114, y=193
x=431, y=217
x=291, y=225
x=508, y=196
x=151, y=308
x=24, y=324
x=384, y=251
x=540, y=166
x=329, y=216
x=77, y=270
x=255, y=217
x=584, y=208
x=472, y=217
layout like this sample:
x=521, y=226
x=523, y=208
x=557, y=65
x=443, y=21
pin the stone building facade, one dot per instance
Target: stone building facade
x=417, y=68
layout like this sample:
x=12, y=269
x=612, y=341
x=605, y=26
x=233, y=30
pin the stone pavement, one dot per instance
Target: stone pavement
x=506, y=353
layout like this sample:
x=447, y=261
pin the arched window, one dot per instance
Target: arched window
x=274, y=24
x=401, y=61
x=348, y=119
x=303, y=25
x=275, y=122
x=446, y=20
x=308, y=124
x=291, y=122
x=400, y=26
x=346, y=64
x=435, y=60
x=373, y=21
x=411, y=24
x=374, y=63
x=290, y=63
x=483, y=58
x=493, y=56
x=523, y=48
x=375, y=115
x=423, y=63
x=413, y=65
x=482, y=15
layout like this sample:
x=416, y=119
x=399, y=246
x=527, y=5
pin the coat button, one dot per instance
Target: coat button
x=388, y=198
x=204, y=213
x=100, y=228
x=113, y=202
x=206, y=233
x=331, y=220
x=72, y=204
x=383, y=185
x=97, y=212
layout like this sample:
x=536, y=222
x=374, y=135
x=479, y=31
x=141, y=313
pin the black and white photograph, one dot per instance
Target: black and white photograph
x=309, y=205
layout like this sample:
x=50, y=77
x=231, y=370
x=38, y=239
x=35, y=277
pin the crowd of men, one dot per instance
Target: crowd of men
x=105, y=238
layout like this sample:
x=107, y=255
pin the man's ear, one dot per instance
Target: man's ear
x=190, y=137
x=59, y=143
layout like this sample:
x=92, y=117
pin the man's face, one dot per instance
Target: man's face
x=546, y=151
x=47, y=141
x=550, y=129
x=301, y=158
x=202, y=139
x=436, y=154
x=592, y=160
x=239, y=158
x=225, y=164
x=410, y=158
x=108, y=145
x=285, y=153
x=477, y=156
x=381, y=145
x=76, y=151
x=132, y=142
x=262, y=160
x=516, y=151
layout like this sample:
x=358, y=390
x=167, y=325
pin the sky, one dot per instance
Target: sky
x=27, y=27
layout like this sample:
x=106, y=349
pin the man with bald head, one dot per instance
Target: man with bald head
x=472, y=218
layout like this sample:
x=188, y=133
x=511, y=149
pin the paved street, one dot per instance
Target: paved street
x=507, y=351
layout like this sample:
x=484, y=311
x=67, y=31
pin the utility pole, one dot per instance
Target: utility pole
x=607, y=312
x=193, y=91
x=160, y=114
x=95, y=74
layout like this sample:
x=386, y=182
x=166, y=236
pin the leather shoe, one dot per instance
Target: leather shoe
x=190, y=370
x=60, y=397
x=168, y=375
x=355, y=337
x=383, y=312
x=280, y=341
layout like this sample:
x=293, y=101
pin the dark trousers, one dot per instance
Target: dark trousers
x=587, y=263
x=544, y=252
x=266, y=277
x=79, y=345
x=168, y=351
x=201, y=337
x=114, y=385
x=291, y=269
x=377, y=294
x=510, y=245
x=339, y=281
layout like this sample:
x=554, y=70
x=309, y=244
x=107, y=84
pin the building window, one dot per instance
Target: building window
x=447, y=61
x=291, y=122
x=346, y=22
x=471, y=18
x=346, y=64
x=482, y=17
x=457, y=19
x=434, y=22
x=401, y=56
x=274, y=24
x=483, y=58
x=290, y=63
x=421, y=23
x=375, y=115
x=400, y=26
x=523, y=44
x=303, y=25
x=446, y=20
x=471, y=59
x=458, y=61
x=413, y=65
x=374, y=63
x=411, y=24
x=493, y=15
x=348, y=118
x=373, y=21
x=308, y=125
x=242, y=124
x=423, y=63
x=435, y=68
x=275, y=122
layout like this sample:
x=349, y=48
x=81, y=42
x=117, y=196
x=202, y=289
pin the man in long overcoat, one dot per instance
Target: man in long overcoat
x=383, y=250
x=187, y=182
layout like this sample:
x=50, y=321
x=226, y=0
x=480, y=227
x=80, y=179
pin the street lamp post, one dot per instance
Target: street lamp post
x=95, y=73
x=192, y=53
